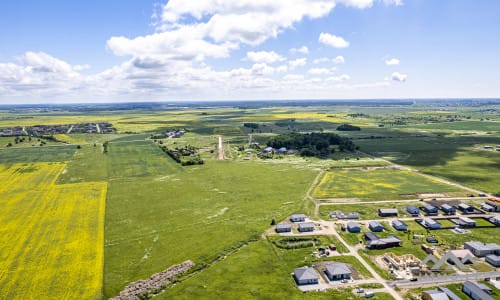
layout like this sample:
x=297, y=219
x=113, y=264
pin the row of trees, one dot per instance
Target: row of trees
x=186, y=156
x=313, y=144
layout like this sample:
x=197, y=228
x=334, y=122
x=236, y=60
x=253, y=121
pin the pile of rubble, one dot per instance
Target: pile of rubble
x=158, y=280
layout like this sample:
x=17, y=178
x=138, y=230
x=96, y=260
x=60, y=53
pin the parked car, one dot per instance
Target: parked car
x=414, y=279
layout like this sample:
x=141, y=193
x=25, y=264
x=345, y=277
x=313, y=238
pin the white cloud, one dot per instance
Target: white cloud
x=333, y=40
x=342, y=77
x=357, y=3
x=339, y=60
x=393, y=2
x=303, y=50
x=320, y=71
x=264, y=56
x=396, y=76
x=299, y=62
x=392, y=62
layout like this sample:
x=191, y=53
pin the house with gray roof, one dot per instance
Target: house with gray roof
x=465, y=208
x=466, y=222
x=480, y=249
x=495, y=220
x=434, y=295
x=337, y=271
x=388, y=212
x=305, y=275
x=375, y=226
x=298, y=218
x=383, y=243
x=306, y=227
x=413, y=210
x=495, y=205
x=430, y=223
x=283, y=228
x=430, y=210
x=476, y=291
x=353, y=227
x=399, y=225
x=448, y=209
x=493, y=260
x=487, y=207
x=451, y=295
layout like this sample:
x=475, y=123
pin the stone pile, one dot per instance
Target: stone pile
x=133, y=290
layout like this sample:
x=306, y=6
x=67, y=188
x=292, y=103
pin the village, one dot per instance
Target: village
x=442, y=264
x=40, y=130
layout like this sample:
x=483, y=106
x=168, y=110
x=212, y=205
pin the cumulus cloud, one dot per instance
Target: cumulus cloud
x=396, y=76
x=337, y=60
x=333, y=40
x=303, y=50
x=264, y=56
x=320, y=71
x=296, y=63
x=342, y=77
x=392, y=62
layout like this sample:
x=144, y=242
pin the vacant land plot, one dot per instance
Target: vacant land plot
x=386, y=184
x=366, y=211
x=37, y=154
x=200, y=213
x=52, y=235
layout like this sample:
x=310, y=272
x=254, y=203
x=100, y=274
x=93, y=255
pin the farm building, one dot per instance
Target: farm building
x=267, y=150
x=388, y=212
x=283, y=228
x=495, y=220
x=338, y=271
x=399, y=225
x=413, y=210
x=353, y=227
x=306, y=227
x=430, y=223
x=465, y=208
x=430, y=210
x=375, y=226
x=282, y=150
x=448, y=209
x=476, y=291
x=305, y=275
x=493, y=260
x=467, y=222
x=370, y=236
x=434, y=295
x=449, y=293
x=480, y=250
x=487, y=207
x=388, y=242
x=298, y=218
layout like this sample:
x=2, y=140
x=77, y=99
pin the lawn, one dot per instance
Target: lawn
x=52, y=236
x=156, y=220
x=260, y=271
x=36, y=154
x=381, y=184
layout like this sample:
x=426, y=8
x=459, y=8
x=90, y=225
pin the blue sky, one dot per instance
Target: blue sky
x=102, y=51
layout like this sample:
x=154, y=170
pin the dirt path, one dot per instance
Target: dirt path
x=221, y=149
x=311, y=188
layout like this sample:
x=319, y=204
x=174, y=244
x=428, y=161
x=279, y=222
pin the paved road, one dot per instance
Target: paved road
x=436, y=280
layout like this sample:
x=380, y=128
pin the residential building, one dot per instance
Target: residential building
x=480, y=249
x=493, y=260
x=451, y=295
x=465, y=208
x=306, y=227
x=495, y=220
x=388, y=212
x=353, y=227
x=383, y=243
x=399, y=225
x=430, y=210
x=375, y=226
x=337, y=271
x=430, y=223
x=413, y=210
x=282, y=150
x=488, y=207
x=298, y=218
x=370, y=236
x=476, y=291
x=305, y=275
x=495, y=205
x=434, y=295
x=283, y=228
x=467, y=222
x=267, y=150
x=448, y=209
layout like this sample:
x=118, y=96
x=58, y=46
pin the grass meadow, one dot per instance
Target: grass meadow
x=383, y=184
x=52, y=236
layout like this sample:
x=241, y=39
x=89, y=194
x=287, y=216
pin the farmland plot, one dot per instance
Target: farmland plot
x=51, y=235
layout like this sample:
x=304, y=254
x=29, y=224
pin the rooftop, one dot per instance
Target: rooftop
x=338, y=269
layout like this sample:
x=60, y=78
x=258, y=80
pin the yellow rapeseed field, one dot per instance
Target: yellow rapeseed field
x=51, y=236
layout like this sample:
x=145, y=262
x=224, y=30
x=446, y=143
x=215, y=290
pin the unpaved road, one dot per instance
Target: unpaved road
x=221, y=149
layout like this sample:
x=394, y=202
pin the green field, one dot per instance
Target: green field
x=384, y=184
